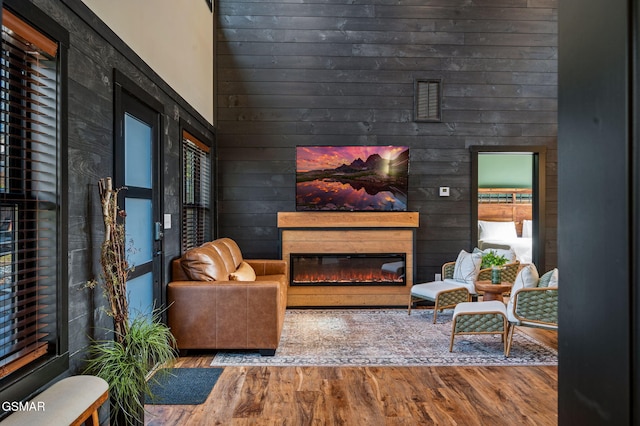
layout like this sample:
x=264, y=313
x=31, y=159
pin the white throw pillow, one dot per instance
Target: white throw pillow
x=527, y=228
x=467, y=266
x=488, y=230
x=244, y=273
x=527, y=278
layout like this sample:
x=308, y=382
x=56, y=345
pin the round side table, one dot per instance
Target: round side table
x=493, y=291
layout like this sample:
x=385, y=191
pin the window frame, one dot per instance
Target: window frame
x=185, y=128
x=23, y=382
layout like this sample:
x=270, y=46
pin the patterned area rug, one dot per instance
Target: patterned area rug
x=379, y=337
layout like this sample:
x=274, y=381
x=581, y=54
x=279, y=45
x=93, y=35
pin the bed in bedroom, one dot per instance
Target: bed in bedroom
x=505, y=220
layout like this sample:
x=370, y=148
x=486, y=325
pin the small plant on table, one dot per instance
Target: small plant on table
x=495, y=261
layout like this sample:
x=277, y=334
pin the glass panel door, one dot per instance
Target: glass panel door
x=138, y=229
x=137, y=171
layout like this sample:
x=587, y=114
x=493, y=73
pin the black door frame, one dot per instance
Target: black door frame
x=126, y=91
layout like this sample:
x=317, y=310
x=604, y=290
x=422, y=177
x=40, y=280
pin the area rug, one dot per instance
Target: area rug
x=385, y=337
x=182, y=386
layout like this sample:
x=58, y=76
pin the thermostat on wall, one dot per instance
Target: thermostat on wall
x=444, y=191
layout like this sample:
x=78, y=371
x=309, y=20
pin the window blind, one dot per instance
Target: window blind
x=196, y=170
x=28, y=194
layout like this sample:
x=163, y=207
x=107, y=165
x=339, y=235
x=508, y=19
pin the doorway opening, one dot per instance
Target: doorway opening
x=507, y=200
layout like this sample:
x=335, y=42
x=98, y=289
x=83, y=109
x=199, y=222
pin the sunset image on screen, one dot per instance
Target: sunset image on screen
x=329, y=157
x=352, y=178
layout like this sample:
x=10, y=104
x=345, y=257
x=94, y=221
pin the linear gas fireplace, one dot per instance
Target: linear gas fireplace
x=348, y=269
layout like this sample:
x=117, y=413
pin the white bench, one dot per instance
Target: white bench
x=71, y=401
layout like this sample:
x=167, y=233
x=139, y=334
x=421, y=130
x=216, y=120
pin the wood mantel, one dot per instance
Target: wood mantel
x=348, y=219
x=349, y=232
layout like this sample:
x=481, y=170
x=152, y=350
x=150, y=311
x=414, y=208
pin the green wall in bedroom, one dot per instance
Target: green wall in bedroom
x=505, y=170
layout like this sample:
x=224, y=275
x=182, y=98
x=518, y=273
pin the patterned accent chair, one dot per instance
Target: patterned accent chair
x=458, y=282
x=533, y=303
x=534, y=306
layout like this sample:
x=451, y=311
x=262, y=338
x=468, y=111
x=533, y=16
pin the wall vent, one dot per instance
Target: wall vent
x=427, y=100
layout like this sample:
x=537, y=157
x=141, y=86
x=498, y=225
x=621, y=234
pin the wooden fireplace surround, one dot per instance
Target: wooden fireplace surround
x=349, y=232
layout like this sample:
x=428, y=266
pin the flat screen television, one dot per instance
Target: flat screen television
x=352, y=178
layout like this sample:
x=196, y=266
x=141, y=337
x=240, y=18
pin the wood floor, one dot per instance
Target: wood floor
x=372, y=395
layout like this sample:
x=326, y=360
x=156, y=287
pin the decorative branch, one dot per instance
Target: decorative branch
x=115, y=268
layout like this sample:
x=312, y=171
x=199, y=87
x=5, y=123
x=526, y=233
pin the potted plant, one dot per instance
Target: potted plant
x=138, y=346
x=491, y=259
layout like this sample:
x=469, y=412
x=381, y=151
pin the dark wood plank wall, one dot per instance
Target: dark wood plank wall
x=342, y=72
x=93, y=54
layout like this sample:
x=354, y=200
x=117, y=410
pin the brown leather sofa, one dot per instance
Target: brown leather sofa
x=215, y=304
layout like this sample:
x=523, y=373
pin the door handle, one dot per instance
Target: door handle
x=158, y=232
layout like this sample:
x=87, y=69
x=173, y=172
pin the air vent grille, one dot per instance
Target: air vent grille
x=428, y=106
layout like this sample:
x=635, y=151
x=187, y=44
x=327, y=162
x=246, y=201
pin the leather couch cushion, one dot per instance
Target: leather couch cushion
x=244, y=273
x=204, y=264
x=234, y=249
x=224, y=253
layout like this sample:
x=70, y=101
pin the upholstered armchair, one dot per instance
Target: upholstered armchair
x=534, y=305
x=457, y=284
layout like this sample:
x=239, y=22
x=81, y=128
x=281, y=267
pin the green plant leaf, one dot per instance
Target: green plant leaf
x=125, y=366
x=491, y=258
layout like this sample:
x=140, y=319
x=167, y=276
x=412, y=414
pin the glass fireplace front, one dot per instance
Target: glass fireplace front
x=348, y=269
